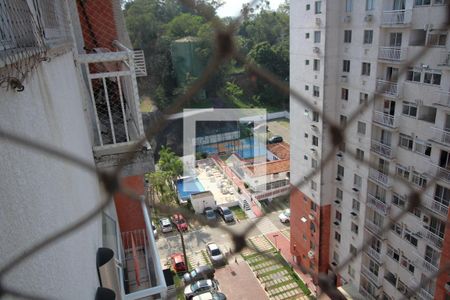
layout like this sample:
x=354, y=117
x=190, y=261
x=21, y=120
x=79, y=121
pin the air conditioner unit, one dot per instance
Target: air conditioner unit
x=368, y=18
x=337, y=202
x=318, y=21
x=316, y=50
x=314, y=127
x=354, y=215
x=347, y=19
x=336, y=223
x=338, y=179
x=355, y=190
x=334, y=264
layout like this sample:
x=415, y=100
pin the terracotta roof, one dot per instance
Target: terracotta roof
x=281, y=150
x=272, y=167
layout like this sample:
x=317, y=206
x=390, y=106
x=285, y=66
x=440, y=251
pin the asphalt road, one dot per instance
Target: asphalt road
x=197, y=238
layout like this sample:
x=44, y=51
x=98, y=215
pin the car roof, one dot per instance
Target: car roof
x=164, y=221
x=213, y=246
x=177, y=257
x=204, y=282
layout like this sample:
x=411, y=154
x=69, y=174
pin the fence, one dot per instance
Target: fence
x=226, y=49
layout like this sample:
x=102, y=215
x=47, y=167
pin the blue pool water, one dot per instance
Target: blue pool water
x=245, y=148
x=189, y=186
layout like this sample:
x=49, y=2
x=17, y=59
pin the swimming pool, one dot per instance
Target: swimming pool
x=188, y=186
x=245, y=148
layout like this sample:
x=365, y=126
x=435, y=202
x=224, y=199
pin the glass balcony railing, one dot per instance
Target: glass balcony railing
x=392, y=53
x=396, y=17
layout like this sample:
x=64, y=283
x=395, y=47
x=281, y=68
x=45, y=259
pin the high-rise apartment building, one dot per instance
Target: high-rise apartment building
x=343, y=53
x=68, y=81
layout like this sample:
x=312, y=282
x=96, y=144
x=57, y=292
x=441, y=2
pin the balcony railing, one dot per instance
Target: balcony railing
x=441, y=136
x=385, y=119
x=375, y=254
x=445, y=59
x=392, y=53
x=379, y=177
x=387, y=88
x=435, y=206
x=441, y=173
x=368, y=274
x=396, y=17
x=425, y=265
x=366, y=294
x=425, y=295
x=111, y=80
x=374, y=228
x=377, y=204
x=382, y=149
x=433, y=237
x=442, y=98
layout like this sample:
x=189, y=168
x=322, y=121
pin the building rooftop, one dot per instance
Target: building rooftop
x=281, y=150
x=272, y=167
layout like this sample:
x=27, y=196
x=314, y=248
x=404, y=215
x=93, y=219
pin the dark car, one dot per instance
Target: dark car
x=210, y=214
x=201, y=272
x=226, y=214
x=275, y=139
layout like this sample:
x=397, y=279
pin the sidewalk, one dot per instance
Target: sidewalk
x=283, y=244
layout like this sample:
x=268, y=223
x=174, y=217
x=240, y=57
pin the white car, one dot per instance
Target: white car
x=165, y=224
x=285, y=216
x=200, y=287
x=210, y=296
x=215, y=254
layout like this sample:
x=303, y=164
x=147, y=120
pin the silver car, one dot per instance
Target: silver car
x=200, y=287
x=165, y=224
x=215, y=254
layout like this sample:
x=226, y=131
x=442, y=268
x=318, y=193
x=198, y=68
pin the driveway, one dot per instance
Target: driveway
x=279, y=127
x=237, y=281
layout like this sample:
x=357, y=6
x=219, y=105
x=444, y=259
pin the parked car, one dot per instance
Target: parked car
x=180, y=222
x=285, y=216
x=225, y=213
x=210, y=214
x=215, y=254
x=275, y=139
x=165, y=225
x=155, y=232
x=200, y=287
x=177, y=262
x=210, y=296
x=201, y=272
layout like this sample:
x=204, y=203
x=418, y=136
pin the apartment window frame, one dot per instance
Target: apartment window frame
x=422, y=147
x=318, y=7
x=313, y=185
x=306, y=62
x=315, y=116
x=409, y=237
x=339, y=194
x=344, y=94
x=316, y=91
x=356, y=205
x=419, y=179
x=337, y=236
x=338, y=216
x=343, y=120
x=368, y=37
x=363, y=98
x=316, y=65
x=370, y=5
x=354, y=228
x=315, y=141
x=393, y=253
x=361, y=128
x=348, y=6
x=405, y=141
x=422, y=3
x=398, y=201
x=397, y=229
x=357, y=181
x=359, y=154
x=306, y=35
x=347, y=36
x=365, y=69
x=409, y=109
x=317, y=36
x=340, y=171
x=308, y=6
x=437, y=39
x=314, y=163
x=413, y=75
x=402, y=171
x=432, y=78
x=346, y=66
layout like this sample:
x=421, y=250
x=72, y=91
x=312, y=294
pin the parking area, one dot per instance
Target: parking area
x=279, y=127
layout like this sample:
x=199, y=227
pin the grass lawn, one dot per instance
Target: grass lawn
x=238, y=212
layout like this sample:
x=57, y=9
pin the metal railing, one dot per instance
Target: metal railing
x=425, y=265
x=367, y=294
x=440, y=135
x=376, y=279
x=374, y=228
x=382, y=149
x=375, y=254
x=425, y=295
x=377, y=204
x=433, y=237
x=387, y=88
x=435, y=206
x=396, y=17
x=392, y=53
x=379, y=177
x=441, y=173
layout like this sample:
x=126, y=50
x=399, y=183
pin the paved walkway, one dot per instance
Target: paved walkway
x=280, y=240
x=237, y=281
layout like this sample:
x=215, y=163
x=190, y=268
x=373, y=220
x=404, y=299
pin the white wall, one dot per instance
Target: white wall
x=41, y=194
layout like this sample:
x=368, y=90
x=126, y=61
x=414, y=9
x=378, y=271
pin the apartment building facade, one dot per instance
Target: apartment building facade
x=68, y=80
x=343, y=53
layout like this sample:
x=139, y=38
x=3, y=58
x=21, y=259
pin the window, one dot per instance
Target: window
x=306, y=136
x=368, y=37
x=351, y=271
x=338, y=216
x=397, y=228
x=308, y=7
x=307, y=35
x=442, y=195
x=335, y=257
x=365, y=70
x=315, y=140
x=355, y=205
x=391, y=278
x=348, y=5
x=313, y=206
x=316, y=66
x=313, y=185
x=409, y=109
x=432, y=78
x=406, y=263
x=361, y=128
x=402, y=171
x=316, y=92
x=306, y=87
x=413, y=75
x=418, y=179
x=344, y=94
x=307, y=62
x=422, y=2
x=340, y=171
x=339, y=194
x=318, y=7
x=313, y=163
x=347, y=36
x=398, y=201
x=312, y=227
x=363, y=98
x=316, y=36
x=341, y=147
x=422, y=147
x=315, y=117
x=343, y=120
x=405, y=141
x=337, y=236
x=437, y=39
x=410, y=238
x=359, y=154
x=403, y=288
x=427, y=114
x=357, y=180
x=353, y=250
x=354, y=228
x=346, y=66
x=393, y=253
x=373, y=267
x=369, y=5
